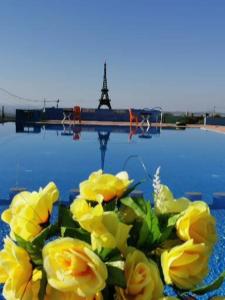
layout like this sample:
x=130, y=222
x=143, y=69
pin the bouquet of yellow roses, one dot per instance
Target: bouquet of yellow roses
x=107, y=244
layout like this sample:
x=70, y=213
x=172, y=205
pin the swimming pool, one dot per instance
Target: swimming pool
x=190, y=160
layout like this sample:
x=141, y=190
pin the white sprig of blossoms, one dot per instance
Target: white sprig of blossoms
x=156, y=182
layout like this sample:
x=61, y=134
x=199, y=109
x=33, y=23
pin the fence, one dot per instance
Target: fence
x=116, y=115
x=215, y=121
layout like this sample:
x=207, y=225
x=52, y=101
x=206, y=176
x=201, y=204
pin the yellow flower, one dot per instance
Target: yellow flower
x=142, y=277
x=111, y=234
x=166, y=203
x=197, y=223
x=33, y=287
x=127, y=214
x=28, y=212
x=185, y=265
x=15, y=270
x=104, y=186
x=71, y=266
x=105, y=227
x=53, y=294
x=88, y=217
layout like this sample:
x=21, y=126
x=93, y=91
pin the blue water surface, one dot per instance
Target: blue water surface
x=190, y=160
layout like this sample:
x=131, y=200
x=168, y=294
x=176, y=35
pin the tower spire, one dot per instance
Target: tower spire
x=104, y=100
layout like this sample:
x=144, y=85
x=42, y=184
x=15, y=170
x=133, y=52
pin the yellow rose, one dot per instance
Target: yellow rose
x=32, y=291
x=142, y=277
x=185, y=265
x=88, y=217
x=127, y=214
x=105, y=227
x=53, y=294
x=111, y=234
x=33, y=287
x=28, y=212
x=104, y=186
x=197, y=223
x=166, y=203
x=71, y=266
x=15, y=270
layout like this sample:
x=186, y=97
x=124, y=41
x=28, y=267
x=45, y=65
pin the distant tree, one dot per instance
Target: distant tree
x=217, y=115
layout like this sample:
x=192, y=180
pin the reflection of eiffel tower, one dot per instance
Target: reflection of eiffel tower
x=104, y=100
x=103, y=138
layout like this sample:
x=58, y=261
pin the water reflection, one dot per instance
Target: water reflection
x=103, y=138
x=142, y=132
x=103, y=133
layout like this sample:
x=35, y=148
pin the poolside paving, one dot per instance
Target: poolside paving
x=214, y=128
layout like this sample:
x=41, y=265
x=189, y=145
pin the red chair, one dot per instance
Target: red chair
x=77, y=114
x=133, y=117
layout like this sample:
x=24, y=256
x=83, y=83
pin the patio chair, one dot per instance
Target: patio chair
x=133, y=117
x=77, y=114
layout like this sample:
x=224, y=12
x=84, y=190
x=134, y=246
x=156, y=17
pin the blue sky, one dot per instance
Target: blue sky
x=169, y=53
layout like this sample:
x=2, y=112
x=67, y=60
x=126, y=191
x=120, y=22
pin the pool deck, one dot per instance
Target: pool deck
x=214, y=128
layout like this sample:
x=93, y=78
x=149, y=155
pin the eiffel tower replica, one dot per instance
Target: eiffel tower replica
x=104, y=100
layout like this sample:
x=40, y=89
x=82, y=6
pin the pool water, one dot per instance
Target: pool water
x=191, y=160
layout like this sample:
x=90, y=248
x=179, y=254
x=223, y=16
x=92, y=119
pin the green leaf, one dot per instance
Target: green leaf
x=165, y=234
x=108, y=293
x=131, y=189
x=34, y=252
x=108, y=255
x=167, y=224
x=149, y=230
x=116, y=277
x=65, y=218
x=77, y=233
x=134, y=204
x=173, y=220
x=37, y=259
x=210, y=287
x=43, y=285
x=150, y=233
x=153, y=223
x=48, y=232
x=135, y=233
x=110, y=206
x=142, y=203
x=22, y=243
x=144, y=234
